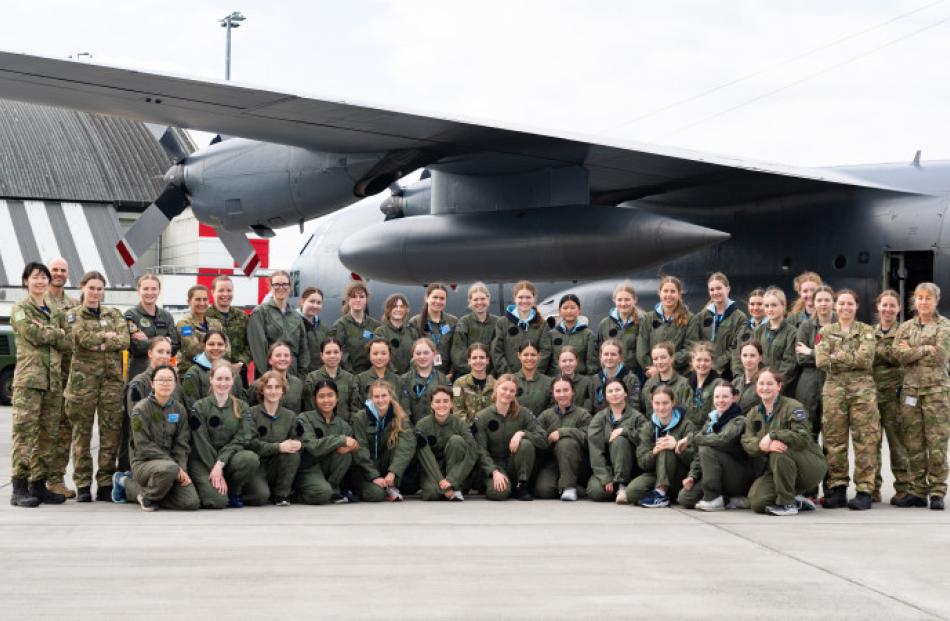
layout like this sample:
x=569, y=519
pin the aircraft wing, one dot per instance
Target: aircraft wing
x=618, y=172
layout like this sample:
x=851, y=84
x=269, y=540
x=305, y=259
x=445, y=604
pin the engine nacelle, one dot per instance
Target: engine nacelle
x=557, y=243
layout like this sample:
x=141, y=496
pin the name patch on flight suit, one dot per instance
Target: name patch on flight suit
x=173, y=417
x=186, y=331
x=367, y=335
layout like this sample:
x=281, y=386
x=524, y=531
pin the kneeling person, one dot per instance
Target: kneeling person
x=564, y=462
x=446, y=450
x=663, y=468
x=272, y=439
x=328, y=449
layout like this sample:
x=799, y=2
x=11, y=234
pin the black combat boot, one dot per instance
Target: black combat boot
x=836, y=498
x=38, y=489
x=21, y=495
x=936, y=503
x=861, y=502
x=104, y=493
x=83, y=494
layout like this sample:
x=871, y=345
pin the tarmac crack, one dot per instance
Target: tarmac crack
x=694, y=516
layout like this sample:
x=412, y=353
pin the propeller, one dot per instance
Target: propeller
x=172, y=201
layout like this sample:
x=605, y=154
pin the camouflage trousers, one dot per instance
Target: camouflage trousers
x=62, y=441
x=890, y=409
x=36, y=415
x=923, y=432
x=851, y=407
x=81, y=406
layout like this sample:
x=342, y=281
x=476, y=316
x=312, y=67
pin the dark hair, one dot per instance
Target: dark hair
x=615, y=380
x=378, y=340
x=310, y=291
x=215, y=332
x=161, y=367
x=328, y=341
x=562, y=378
x=424, y=317
x=274, y=346
x=528, y=343
x=440, y=389
x=477, y=345
x=779, y=378
x=325, y=383
x=155, y=340
x=664, y=390
x=757, y=345
x=34, y=266
x=721, y=382
x=569, y=297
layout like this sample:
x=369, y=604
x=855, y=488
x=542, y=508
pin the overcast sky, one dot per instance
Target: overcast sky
x=805, y=82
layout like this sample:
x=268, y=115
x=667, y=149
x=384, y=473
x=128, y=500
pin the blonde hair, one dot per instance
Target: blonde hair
x=924, y=287
x=478, y=287
x=221, y=363
x=680, y=313
x=515, y=406
x=719, y=277
x=400, y=420
x=627, y=287
x=266, y=377
x=777, y=294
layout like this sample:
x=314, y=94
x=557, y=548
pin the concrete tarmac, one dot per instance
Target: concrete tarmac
x=471, y=560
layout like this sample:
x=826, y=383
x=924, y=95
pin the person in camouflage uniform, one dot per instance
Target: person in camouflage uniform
x=923, y=349
x=57, y=300
x=477, y=326
x=37, y=386
x=275, y=320
x=446, y=450
x=888, y=377
x=472, y=392
x=193, y=327
x=849, y=399
x=311, y=303
x=563, y=465
x=100, y=334
x=571, y=330
x=355, y=329
x=719, y=323
x=234, y=321
x=622, y=324
x=396, y=329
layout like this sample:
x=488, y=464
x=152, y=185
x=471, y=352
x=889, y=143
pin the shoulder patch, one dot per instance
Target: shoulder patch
x=558, y=341
x=656, y=323
x=214, y=421
x=707, y=322
x=194, y=422
x=757, y=426
x=394, y=342
x=513, y=330
x=800, y=414
x=299, y=428
x=493, y=425
x=613, y=332
x=262, y=431
x=520, y=391
x=136, y=423
x=432, y=440
x=318, y=433
x=746, y=336
x=19, y=316
x=473, y=429
x=186, y=331
x=71, y=318
x=420, y=440
x=457, y=391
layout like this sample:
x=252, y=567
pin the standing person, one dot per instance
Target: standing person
x=534, y=388
x=194, y=326
x=478, y=326
x=508, y=438
x=311, y=303
x=386, y=445
x=612, y=439
x=613, y=367
x=888, y=377
x=146, y=320
x=756, y=312
x=777, y=338
x=328, y=448
x=720, y=467
x=845, y=353
x=785, y=458
x=582, y=384
x=220, y=464
x=355, y=329
x=563, y=463
x=434, y=323
x=331, y=353
x=572, y=331
x=57, y=300
x=751, y=356
x=380, y=354
x=396, y=329
x=667, y=322
x=622, y=324
x=234, y=320
x=99, y=334
x=811, y=379
x=139, y=387
x=37, y=389
x=923, y=348
x=664, y=468
x=419, y=381
x=279, y=360
x=196, y=383
x=161, y=440
x=277, y=449
x=522, y=322
x=275, y=320
x=701, y=381
x=472, y=392
x=805, y=285
x=719, y=323
x=446, y=449
x=665, y=375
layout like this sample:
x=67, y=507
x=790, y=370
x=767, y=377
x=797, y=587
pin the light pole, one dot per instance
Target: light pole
x=231, y=21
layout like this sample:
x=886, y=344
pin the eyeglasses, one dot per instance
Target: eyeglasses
x=280, y=285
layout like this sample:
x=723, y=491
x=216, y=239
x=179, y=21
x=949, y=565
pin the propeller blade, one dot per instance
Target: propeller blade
x=173, y=140
x=240, y=249
x=150, y=225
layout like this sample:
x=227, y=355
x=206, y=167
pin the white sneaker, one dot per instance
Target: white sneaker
x=569, y=494
x=737, y=502
x=457, y=496
x=621, y=495
x=716, y=504
x=393, y=494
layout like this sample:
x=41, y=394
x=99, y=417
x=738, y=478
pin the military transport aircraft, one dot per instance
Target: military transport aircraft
x=500, y=204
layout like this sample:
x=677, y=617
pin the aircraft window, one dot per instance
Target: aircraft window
x=840, y=262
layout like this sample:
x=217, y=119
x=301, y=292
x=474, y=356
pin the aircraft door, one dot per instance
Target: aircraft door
x=903, y=271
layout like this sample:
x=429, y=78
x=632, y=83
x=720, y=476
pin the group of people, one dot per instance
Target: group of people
x=720, y=409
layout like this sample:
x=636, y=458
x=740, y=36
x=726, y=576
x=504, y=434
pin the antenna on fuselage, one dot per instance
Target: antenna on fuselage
x=916, y=162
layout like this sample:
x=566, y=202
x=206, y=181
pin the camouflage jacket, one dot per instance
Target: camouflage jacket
x=93, y=353
x=41, y=340
x=192, y=335
x=888, y=374
x=924, y=372
x=468, y=400
x=847, y=358
x=235, y=326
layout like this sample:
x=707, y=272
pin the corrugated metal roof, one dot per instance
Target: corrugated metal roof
x=64, y=155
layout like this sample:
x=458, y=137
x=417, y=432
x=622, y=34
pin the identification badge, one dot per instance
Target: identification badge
x=158, y=324
x=457, y=391
x=446, y=329
x=367, y=335
x=103, y=323
x=173, y=417
x=911, y=401
x=186, y=331
x=437, y=361
x=144, y=322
